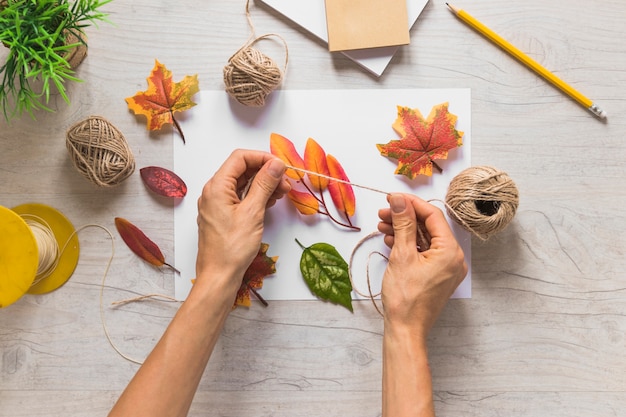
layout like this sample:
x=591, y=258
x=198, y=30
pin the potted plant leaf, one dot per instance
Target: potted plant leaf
x=45, y=41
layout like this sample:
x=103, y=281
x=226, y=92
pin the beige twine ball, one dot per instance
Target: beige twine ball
x=100, y=152
x=77, y=54
x=483, y=200
x=250, y=76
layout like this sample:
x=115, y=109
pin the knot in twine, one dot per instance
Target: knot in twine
x=483, y=200
x=100, y=152
x=250, y=75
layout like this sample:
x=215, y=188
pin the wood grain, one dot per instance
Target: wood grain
x=545, y=331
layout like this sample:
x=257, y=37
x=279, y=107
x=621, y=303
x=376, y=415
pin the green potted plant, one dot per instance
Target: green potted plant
x=44, y=40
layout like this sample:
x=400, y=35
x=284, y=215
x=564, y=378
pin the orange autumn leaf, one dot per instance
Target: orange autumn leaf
x=284, y=149
x=261, y=266
x=315, y=161
x=341, y=193
x=422, y=141
x=140, y=244
x=163, y=98
x=306, y=203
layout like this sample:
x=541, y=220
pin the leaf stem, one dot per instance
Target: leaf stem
x=257, y=295
x=300, y=244
x=327, y=212
x=174, y=269
x=437, y=167
x=177, y=125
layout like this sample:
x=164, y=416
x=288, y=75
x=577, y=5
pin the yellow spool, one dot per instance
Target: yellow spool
x=19, y=255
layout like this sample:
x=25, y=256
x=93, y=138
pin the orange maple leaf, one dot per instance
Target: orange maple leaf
x=422, y=141
x=261, y=266
x=163, y=98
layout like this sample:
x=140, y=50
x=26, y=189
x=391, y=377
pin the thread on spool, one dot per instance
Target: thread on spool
x=250, y=75
x=100, y=152
x=483, y=200
x=47, y=246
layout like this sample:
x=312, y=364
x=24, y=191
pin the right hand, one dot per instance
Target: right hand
x=417, y=285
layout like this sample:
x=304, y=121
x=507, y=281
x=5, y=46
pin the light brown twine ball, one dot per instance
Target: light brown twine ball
x=100, y=152
x=77, y=54
x=483, y=200
x=250, y=75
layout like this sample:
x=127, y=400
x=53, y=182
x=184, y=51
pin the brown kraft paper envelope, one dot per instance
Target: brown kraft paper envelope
x=359, y=24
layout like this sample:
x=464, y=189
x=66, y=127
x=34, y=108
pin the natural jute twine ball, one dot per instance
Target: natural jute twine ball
x=250, y=75
x=100, y=152
x=483, y=200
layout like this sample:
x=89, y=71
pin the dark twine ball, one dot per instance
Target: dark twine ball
x=100, y=152
x=483, y=200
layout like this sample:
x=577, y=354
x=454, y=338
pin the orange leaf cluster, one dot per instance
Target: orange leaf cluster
x=316, y=172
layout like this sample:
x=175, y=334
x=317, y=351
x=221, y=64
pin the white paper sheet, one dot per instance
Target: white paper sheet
x=311, y=15
x=347, y=124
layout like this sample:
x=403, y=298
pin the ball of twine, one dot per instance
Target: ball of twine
x=250, y=76
x=100, y=152
x=483, y=200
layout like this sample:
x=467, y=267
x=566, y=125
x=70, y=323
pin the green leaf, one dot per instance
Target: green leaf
x=326, y=273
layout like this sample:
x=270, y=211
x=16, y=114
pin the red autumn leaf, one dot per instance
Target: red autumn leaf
x=140, y=244
x=261, y=266
x=163, y=182
x=341, y=193
x=284, y=149
x=305, y=203
x=315, y=161
x=163, y=98
x=422, y=141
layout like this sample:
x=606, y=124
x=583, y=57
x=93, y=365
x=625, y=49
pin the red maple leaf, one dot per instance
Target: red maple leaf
x=422, y=141
x=261, y=266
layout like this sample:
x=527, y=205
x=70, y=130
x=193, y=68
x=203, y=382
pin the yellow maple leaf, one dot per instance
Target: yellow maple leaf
x=163, y=98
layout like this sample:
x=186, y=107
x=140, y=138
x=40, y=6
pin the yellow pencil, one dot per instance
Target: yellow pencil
x=528, y=61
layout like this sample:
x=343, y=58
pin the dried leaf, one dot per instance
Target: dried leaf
x=422, y=141
x=326, y=273
x=163, y=182
x=163, y=98
x=284, y=149
x=341, y=193
x=261, y=266
x=305, y=203
x=140, y=244
x=315, y=160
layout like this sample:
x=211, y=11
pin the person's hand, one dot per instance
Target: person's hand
x=230, y=225
x=417, y=285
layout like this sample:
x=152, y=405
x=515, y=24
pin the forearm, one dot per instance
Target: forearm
x=407, y=384
x=167, y=381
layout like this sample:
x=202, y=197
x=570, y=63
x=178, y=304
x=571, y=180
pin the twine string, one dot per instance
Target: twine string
x=47, y=246
x=250, y=76
x=50, y=255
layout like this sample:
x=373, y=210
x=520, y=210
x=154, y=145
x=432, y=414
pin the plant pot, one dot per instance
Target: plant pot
x=77, y=54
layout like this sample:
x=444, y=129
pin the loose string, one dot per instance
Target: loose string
x=50, y=255
x=370, y=294
x=306, y=171
x=251, y=39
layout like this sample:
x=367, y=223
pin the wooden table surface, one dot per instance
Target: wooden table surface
x=544, y=333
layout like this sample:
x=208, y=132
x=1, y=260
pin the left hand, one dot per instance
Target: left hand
x=230, y=227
